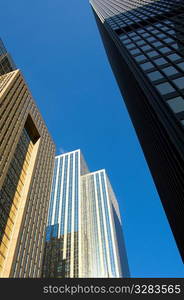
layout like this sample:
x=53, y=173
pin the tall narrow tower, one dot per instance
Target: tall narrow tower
x=144, y=42
x=84, y=233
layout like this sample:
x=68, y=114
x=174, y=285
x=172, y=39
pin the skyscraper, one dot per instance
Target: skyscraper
x=84, y=234
x=144, y=42
x=6, y=62
x=26, y=166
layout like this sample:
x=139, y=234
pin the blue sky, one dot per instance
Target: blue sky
x=57, y=46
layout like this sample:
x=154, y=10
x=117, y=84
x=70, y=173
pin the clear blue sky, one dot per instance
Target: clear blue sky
x=57, y=46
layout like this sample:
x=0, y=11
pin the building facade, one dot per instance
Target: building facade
x=84, y=235
x=144, y=42
x=6, y=62
x=103, y=247
x=26, y=167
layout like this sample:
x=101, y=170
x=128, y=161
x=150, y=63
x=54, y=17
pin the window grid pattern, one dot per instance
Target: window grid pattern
x=152, y=33
x=18, y=111
x=63, y=205
x=88, y=247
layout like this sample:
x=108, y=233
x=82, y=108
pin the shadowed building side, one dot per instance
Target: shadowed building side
x=144, y=44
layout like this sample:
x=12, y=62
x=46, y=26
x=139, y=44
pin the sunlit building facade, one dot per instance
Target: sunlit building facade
x=144, y=42
x=26, y=167
x=6, y=62
x=84, y=234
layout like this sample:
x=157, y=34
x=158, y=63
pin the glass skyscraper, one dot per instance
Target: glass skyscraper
x=84, y=234
x=144, y=42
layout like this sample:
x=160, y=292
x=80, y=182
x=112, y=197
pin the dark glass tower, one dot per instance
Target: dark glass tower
x=144, y=41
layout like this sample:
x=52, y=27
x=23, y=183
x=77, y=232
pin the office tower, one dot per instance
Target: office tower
x=26, y=167
x=6, y=62
x=103, y=247
x=144, y=42
x=84, y=235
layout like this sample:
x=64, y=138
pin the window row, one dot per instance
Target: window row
x=162, y=61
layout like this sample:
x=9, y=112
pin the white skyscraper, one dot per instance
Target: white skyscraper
x=84, y=236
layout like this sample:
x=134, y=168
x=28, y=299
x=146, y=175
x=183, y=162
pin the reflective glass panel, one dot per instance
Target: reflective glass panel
x=181, y=65
x=170, y=70
x=179, y=82
x=155, y=75
x=176, y=104
x=147, y=66
x=160, y=61
x=165, y=88
x=174, y=56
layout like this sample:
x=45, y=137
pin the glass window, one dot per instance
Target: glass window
x=175, y=46
x=126, y=41
x=179, y=82
x=135, y=51
x=150, y=28
x=155, y=31
x=145, y=34
x=140, y=43
x=181, y=65
x=136, y=38
x=182, y=122
x=146, y=47
x=171, y=32
x=165, y=88
x=168, y=40
x=140, y=30
x=123, y=37
x=161, y=35
x=151, y=39
x=155, y=75
x=165, y=50
x=176, y=104
x=152, y=53
x=147, y=66
x=160, y=61
x=140, y=58
x=164, y=28
x=130, y=46
x=170, y=70
x=174, y=56
x=157, y=44
x=167, y=22
x=132, y=34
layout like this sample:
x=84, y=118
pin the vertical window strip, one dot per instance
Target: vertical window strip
x=76, y=226
x=76, y=213
x=64, y=196
x=102, y=223
x=113, y=268
x=95, y=238
x=58, y=191
x=70, y=194
x=52, y=192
